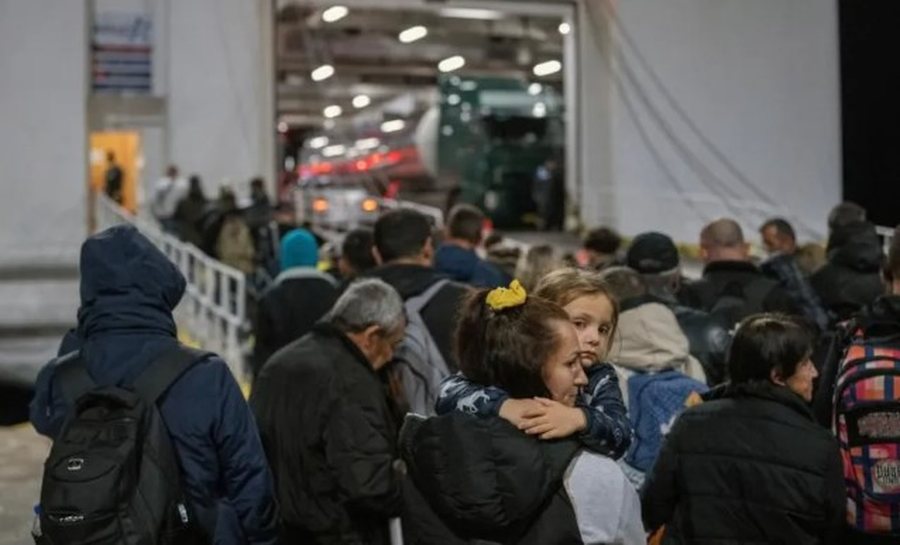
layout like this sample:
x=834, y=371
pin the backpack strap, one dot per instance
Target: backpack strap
x=418, y=302
x=162, y=373
x=72, y=376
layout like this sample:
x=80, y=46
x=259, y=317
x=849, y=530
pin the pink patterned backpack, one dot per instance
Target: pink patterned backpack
x=867, y=426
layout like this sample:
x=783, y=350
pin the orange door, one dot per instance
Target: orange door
x=125, y=147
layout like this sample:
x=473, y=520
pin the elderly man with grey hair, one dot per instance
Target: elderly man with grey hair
x=327, y=423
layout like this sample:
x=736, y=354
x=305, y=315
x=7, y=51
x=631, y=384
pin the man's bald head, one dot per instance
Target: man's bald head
x=723, y=240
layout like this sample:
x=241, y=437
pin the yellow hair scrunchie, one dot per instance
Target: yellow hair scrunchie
x=501, y=298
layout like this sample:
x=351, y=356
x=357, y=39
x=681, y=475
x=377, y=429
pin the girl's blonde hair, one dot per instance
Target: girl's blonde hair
x=563, y=286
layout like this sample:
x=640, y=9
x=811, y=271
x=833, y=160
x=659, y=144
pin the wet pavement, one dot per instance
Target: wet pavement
x=22, y=453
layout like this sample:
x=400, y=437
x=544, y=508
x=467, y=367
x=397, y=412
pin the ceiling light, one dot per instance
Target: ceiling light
x=334, y=151
x=471, y=13
x=334, y=13
x=318, y=142
x=547, y=68
x=367, y=143
x=323, y=72
x=393, y=125
x=539, y=110
x=361, y=101
x=453, y=99
x=565, y=28
x=332, y=111
x=282, y=127
x=535, y=89
x=468, y=85
x=412, y=34
x=451, y=63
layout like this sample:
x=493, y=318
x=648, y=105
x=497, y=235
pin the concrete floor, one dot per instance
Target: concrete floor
x=22, y=453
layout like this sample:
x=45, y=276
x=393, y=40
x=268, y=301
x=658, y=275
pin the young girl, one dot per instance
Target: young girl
x=599, y=417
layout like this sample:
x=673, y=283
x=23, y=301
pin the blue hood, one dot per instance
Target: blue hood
x=127, y=285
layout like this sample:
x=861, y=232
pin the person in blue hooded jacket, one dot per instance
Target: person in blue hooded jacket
x=456, y=256
x=128, y=291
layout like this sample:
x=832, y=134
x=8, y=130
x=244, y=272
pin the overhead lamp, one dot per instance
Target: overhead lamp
x=332, y=111
x=565, y=28
x=412, y=34
x=323, y=72
x=471, y=13
x=451, y=63
x=367, y=143
x=334, y=13
x=535, y=89
x=282, y=127
x=539, y=109
x=547, y=68
x=334, y=151
x=454, y=99
x=318, y=142
x=393, y=126
x=361, y=101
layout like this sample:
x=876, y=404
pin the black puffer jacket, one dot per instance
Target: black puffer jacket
x=330, y=439
x=733, y=290
x=852, y=277
x=297, y=299
x=748, y=466
x=475, y=479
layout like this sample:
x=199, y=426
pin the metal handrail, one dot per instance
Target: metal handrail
x=213, y=310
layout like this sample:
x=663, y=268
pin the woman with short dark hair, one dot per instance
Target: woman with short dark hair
x=750, y=465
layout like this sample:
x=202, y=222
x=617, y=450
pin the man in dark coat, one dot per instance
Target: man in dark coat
x=781, y=242
x=298, y=297
x=732, y=287
x=128, y=291
x=327, y=425
x=851, y=278
x=405, y=251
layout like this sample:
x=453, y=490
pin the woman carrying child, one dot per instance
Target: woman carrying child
x=474, y=478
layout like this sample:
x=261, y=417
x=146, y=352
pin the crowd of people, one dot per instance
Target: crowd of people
x=601, y=398
x=240, y=235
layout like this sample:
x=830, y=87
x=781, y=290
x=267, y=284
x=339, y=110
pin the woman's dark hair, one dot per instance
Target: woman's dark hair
x=764, y=342
x=507, y=348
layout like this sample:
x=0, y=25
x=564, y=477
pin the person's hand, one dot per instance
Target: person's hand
x=514, y=410
x=552, y=420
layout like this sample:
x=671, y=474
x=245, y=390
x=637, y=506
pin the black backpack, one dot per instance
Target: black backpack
x=735, y=301
x=112, y=475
